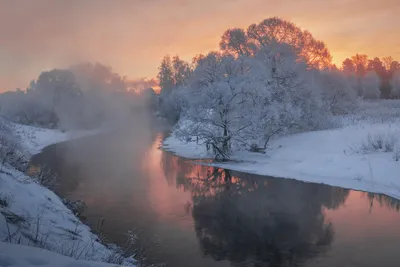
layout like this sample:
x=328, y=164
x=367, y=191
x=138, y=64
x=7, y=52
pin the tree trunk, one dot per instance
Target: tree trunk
x=225, y=146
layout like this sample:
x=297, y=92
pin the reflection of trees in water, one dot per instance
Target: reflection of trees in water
x=177, y=169
x=382, y=201
x=53, y=159
x=253, y=221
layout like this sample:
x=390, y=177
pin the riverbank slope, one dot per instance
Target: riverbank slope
x=32, y=215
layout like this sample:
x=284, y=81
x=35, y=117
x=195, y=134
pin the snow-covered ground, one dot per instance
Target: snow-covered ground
x=12, y=255
x=32, y=215
x=34, y=139
x=334, y=157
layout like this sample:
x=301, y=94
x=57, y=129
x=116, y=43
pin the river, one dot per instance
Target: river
x=191, y=215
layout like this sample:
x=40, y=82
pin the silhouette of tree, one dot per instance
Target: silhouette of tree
x=348, y=66
x=360, y=64
x=275, y=30
x=235, y=41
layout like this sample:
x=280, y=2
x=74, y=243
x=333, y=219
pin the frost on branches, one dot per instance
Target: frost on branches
x=234, y=103
x=272, y=78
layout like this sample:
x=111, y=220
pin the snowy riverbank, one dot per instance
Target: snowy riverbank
x=23, y=256
x=334, y=157
x=32, y=215
x=34, y=139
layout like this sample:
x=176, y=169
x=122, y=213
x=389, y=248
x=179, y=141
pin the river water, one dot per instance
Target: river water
x=191, y=215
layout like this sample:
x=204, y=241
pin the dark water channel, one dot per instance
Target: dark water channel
x=190, y=215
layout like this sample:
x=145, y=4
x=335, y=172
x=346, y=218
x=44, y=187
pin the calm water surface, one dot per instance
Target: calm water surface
x=204, y=216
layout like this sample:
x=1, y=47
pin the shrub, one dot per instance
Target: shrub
x=380, y=142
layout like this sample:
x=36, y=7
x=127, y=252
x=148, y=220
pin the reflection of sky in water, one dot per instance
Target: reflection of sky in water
x=194, y=209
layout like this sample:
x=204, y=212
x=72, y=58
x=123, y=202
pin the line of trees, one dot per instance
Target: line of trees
x=379, y=76
x=82, y=96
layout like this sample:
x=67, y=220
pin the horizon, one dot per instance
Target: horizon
x=53, y=34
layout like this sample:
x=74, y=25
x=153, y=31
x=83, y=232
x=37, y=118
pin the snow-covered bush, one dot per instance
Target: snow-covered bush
x=387, y=142
x=383, y=141
x=376, y=111
x=11, y=152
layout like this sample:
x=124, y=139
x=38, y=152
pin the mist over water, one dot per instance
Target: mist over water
x=191, y=215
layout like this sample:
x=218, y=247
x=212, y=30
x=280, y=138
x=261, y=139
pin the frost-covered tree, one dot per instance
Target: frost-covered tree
x=13, y=106
x=238, y=102
x=82, y=96
x=287, y=99
x=217, y=99
x=166, y=75
x=58, y=92
x=181, y=71
x=173, y=73
x=27, y=107
x=150, y=98
x=105, y=94
x=338, y=93
x=395, y=83
x=370, y=84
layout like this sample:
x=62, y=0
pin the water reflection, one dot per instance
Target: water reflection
x=251, y=221
x=382, y=201
x=205, y=216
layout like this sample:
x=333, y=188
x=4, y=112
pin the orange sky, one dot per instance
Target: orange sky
x=133, y=35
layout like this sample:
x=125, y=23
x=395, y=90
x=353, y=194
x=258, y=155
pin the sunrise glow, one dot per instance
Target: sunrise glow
x=133, y=36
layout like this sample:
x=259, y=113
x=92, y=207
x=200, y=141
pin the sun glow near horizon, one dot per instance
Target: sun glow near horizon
x=133, y=36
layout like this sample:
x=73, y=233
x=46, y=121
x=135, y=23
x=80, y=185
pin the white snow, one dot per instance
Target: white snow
x=45, y=219
x=34, y=139
x=326, y=157
x=12, y=255
x=32, y=215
